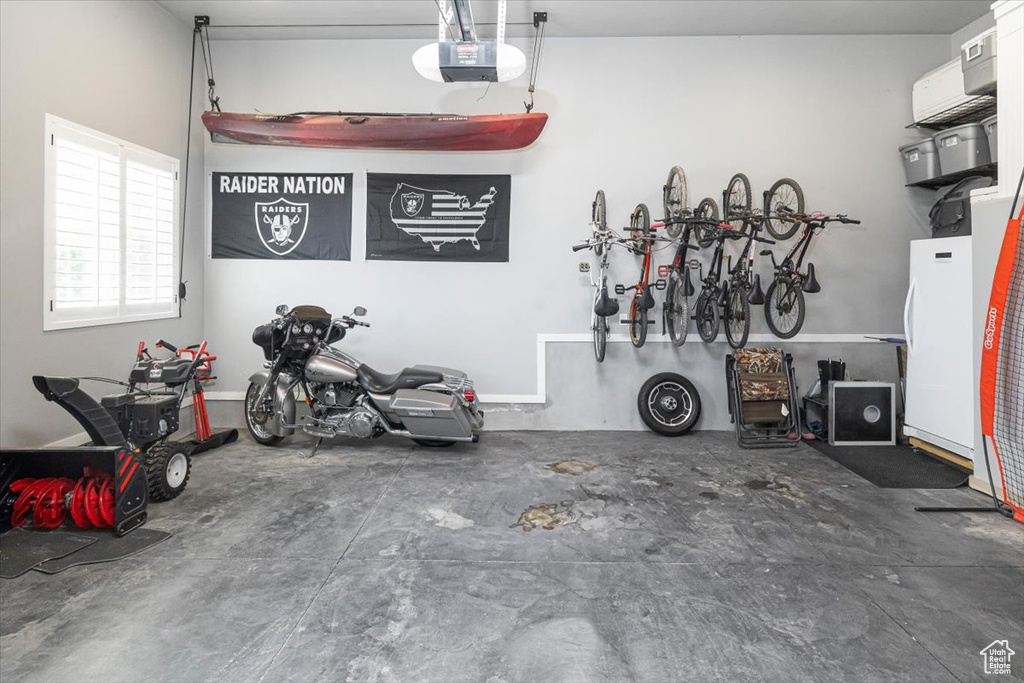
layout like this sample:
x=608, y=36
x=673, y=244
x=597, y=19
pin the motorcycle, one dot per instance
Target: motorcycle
x=433, y=406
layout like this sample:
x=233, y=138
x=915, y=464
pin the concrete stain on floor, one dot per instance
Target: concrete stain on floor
x=449, y=519
x=546, y=516
x=574, y=467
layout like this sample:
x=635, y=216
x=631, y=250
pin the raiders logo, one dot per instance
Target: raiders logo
x=281, y=224
x=412, y=203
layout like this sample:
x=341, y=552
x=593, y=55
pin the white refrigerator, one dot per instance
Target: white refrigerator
x=938, y=326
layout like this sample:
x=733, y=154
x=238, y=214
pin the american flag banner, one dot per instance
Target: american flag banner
x=437, y=217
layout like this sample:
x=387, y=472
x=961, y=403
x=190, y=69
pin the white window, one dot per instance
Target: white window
x=111, y=230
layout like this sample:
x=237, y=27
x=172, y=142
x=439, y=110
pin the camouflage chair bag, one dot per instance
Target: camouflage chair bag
x=760, y=375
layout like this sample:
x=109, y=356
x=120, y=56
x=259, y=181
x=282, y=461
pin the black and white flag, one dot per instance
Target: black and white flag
x=282, y=216
x=437, y=217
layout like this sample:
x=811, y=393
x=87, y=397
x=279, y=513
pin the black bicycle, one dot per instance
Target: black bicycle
x=736, y=200
x=785, y=198
x=680, y=285
x=734, y=294
x=674, y=199
x=743, y=288
x=784, y=309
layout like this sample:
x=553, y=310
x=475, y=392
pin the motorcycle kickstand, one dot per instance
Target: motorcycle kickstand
x=313, y=451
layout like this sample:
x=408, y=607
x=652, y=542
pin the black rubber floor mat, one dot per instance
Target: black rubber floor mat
x=107, y=548
x=894, y=467
x=20, y=550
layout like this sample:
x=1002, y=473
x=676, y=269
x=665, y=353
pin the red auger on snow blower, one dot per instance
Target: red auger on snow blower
x=132, y=460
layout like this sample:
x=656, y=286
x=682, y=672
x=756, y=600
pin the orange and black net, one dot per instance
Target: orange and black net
x=1002, y=369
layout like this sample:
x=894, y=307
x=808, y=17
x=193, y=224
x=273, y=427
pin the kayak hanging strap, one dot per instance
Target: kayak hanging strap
x=540, y=22
x=184, y=182
x=201, y=23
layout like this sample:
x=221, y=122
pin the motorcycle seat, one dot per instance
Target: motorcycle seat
x=409, y=378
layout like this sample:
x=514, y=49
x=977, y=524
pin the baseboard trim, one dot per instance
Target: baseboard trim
x=584, y=338
x=942, y=454
x=979, y=484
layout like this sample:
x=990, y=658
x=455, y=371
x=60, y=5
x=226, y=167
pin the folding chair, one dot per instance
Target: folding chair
x=763, y=398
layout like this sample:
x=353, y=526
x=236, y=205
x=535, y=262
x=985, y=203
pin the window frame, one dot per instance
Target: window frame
x=124, y=312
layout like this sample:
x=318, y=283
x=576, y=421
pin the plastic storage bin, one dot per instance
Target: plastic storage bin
x=978, y=63
x=989, y=126
x=962, y=148
x=938, y=90
x=920, y=160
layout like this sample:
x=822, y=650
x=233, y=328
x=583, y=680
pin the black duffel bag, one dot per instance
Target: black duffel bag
x=950, y=216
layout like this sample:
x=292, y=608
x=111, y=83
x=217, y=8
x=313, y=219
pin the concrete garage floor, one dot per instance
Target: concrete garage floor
x=682, y=559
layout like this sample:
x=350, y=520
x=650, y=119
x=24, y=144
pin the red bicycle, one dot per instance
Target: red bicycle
x=641, y=243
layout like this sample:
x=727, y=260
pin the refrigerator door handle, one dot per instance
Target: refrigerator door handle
x=906, y=317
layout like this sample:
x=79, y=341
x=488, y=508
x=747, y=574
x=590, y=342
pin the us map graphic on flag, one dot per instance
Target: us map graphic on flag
x=437, y=217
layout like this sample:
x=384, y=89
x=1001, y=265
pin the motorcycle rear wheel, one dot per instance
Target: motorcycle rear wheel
x=669, y=404
x=257, y=431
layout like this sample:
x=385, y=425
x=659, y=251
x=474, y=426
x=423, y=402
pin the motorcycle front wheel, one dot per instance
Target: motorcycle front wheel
x=254, y=421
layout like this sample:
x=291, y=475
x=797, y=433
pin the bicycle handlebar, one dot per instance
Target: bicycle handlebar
x=816, y=219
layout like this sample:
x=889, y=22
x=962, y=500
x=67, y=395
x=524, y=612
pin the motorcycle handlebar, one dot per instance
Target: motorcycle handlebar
x=166, y=345
x=580, y=247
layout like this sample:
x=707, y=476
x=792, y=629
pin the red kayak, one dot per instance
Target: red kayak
x=419, y=132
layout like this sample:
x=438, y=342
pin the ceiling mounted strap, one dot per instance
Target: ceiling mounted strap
x=540, y=22
x=203, y=22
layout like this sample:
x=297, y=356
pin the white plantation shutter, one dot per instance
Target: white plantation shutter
x=111, y=230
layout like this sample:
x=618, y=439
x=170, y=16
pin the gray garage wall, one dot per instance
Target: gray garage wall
x=120, y=68
x=829, y=111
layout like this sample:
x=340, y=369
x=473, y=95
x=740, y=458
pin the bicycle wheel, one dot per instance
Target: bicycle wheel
x=674, y=196
x=640, y=226
x=737, y=200
x=706, y=314
x=677, y=313
x=600, y=337
x=784, y=308
x=669, y=404
x=737, y=317
x=598, y=220
x=785, y=196
x=637, y=322
x=708, y=210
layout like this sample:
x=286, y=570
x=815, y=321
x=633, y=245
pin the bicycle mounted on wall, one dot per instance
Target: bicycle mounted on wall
x=784, y=308
x=601, y=242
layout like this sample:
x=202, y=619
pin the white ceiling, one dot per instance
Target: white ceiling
x=384, y=18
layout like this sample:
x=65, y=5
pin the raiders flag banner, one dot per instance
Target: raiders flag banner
x=282, y=216
x=437, y=217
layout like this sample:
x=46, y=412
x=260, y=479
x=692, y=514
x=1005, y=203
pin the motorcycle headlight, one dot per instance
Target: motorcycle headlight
x=308, y=328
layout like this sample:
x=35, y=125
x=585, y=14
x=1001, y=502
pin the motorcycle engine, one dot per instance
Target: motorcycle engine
x=338, y=395
x=362, y=423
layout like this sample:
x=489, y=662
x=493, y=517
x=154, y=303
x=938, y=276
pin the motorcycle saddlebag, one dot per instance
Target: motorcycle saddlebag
x=430, y=414
x=950, y=216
